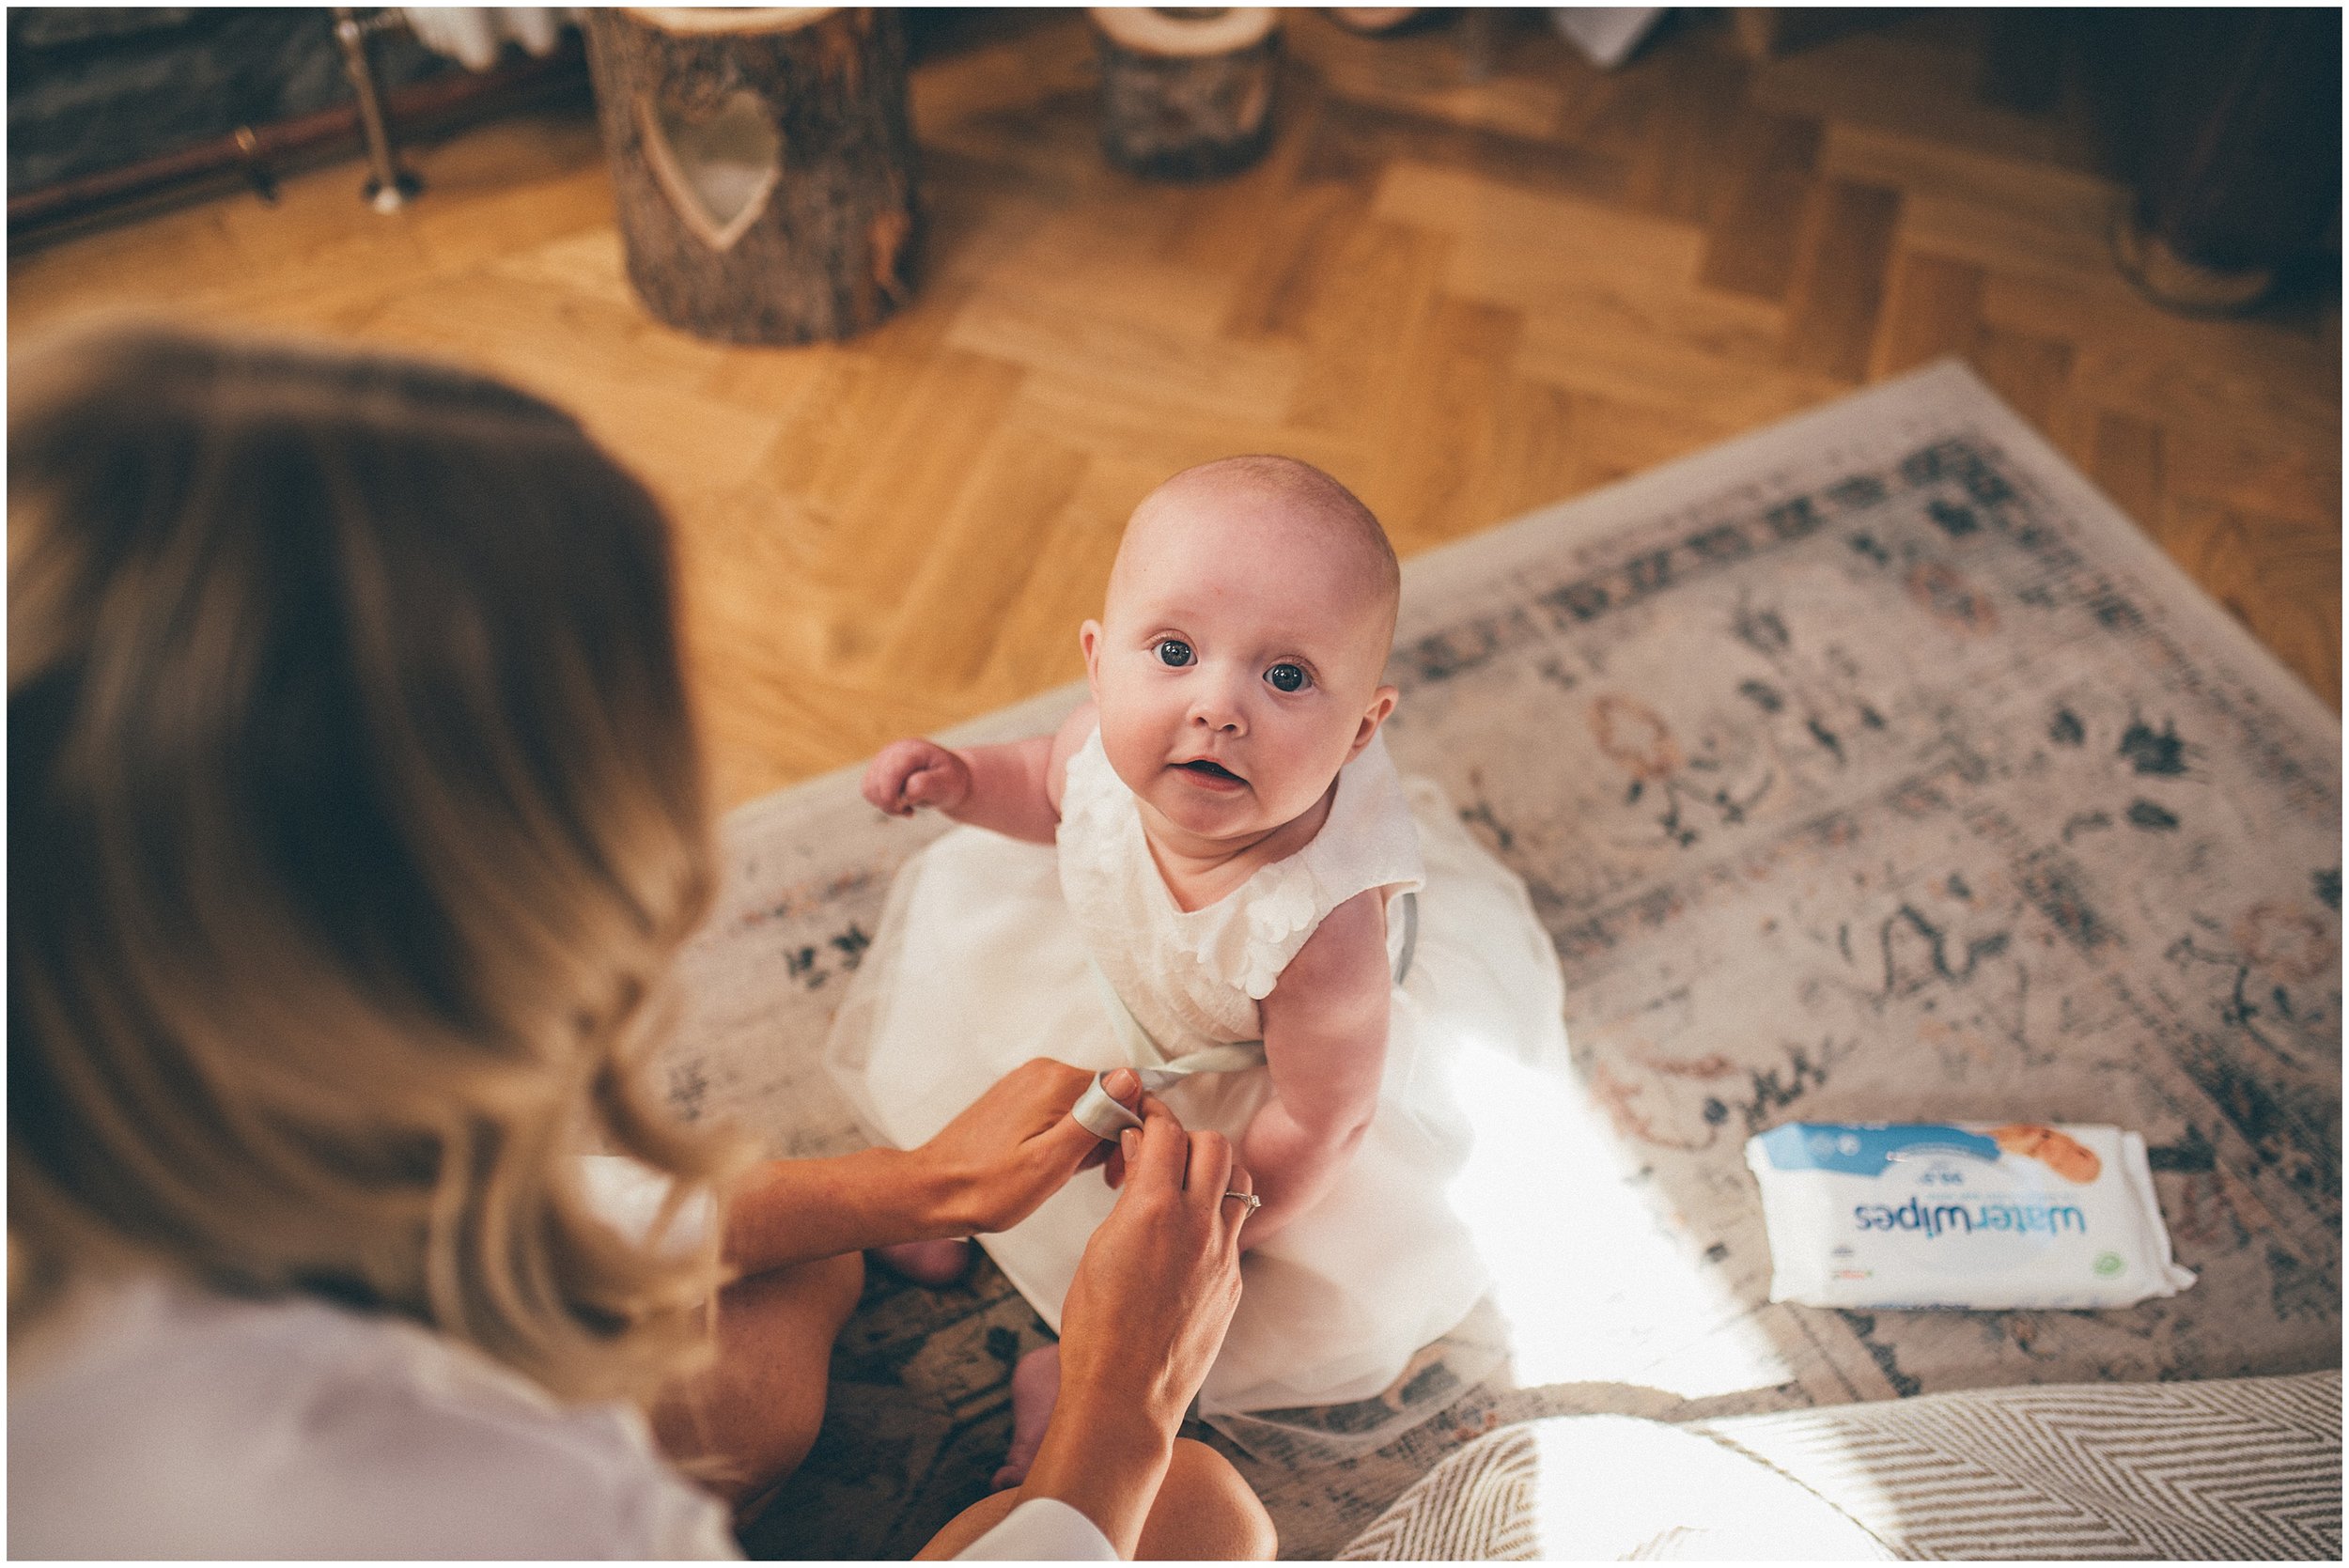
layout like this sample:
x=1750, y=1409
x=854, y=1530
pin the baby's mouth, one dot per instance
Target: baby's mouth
x=1212, y=769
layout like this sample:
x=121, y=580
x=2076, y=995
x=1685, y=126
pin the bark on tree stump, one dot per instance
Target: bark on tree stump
x=1187, y=94
x=762, y=166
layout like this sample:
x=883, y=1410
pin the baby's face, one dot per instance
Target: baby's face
x=1236, y=668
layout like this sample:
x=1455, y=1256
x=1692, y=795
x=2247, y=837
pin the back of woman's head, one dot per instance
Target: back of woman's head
x=354, y=814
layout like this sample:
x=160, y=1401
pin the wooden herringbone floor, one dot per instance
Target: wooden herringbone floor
x=1466, y=298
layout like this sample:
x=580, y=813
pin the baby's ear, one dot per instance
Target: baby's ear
x=1089, y=642
x=1381, y=704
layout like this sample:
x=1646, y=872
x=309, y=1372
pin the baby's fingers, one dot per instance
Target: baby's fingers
x=884, y=783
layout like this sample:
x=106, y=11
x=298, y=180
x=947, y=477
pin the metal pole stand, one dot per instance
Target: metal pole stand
x=389, y=187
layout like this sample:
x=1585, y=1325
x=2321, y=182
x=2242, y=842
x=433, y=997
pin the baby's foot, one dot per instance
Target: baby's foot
x=1035, y=1388
x=927, y=1263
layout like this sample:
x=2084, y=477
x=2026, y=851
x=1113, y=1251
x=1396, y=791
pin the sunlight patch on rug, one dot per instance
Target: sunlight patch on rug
x=1596, y=1284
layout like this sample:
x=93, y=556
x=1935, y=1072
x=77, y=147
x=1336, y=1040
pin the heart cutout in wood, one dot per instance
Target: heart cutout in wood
x=718, y=168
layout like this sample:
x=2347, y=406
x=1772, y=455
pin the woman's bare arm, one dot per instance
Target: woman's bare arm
x=986, y=1170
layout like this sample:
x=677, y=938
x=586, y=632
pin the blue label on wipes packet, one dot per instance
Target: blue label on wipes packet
x=1867, y=1148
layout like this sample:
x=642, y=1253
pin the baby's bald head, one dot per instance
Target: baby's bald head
x=1283, y=505
x=1250, y=619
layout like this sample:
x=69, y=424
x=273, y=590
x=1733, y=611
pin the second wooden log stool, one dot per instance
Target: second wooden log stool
x=1187, y=93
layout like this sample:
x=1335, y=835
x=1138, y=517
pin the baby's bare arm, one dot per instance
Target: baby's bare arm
x=1325, y=1040
x=1013, y=789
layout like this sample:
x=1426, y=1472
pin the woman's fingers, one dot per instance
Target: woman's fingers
x=1238, y=1185
x=1210, y=1172
x=1220, y=1183
x=1200, y=1167
x=1157, y=1151
x=1075, y=1142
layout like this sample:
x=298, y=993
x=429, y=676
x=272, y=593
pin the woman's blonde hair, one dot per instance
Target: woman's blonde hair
x=356, y=813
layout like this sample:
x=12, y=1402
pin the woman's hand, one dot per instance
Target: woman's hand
x=1165, y=1266
x=907, y=774
x=1015, y=1145
x=1144, y=1319
x=986, y=1170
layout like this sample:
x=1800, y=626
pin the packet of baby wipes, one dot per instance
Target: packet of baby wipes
x=1911, y=1214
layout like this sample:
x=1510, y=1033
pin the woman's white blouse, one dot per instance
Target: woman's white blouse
x=155, y=1420
x=170, y=1422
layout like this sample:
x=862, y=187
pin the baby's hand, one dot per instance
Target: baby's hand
x=911, y=773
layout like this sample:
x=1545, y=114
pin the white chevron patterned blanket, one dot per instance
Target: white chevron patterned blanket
x=2232, y=1469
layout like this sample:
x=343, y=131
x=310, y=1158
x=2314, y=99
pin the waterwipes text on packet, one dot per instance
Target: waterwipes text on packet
x=1973, y=1214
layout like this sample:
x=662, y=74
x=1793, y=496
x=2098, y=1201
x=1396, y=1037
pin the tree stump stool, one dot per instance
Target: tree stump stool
x=1187, y=94
x=762, y=166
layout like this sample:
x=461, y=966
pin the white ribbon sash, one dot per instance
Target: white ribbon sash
x=1105, y=1118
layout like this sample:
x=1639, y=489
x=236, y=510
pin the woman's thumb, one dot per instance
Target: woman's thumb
x=1124, y=1085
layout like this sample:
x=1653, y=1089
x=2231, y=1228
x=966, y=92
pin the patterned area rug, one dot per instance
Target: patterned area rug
x=1872, y=767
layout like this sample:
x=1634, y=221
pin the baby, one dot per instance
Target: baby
x=1231, y=848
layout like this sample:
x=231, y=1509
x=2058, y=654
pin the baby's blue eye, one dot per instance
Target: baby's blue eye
x=1288, y=677
x=1174, y=651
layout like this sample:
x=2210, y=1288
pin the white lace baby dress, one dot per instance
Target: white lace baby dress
x=985, y=957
